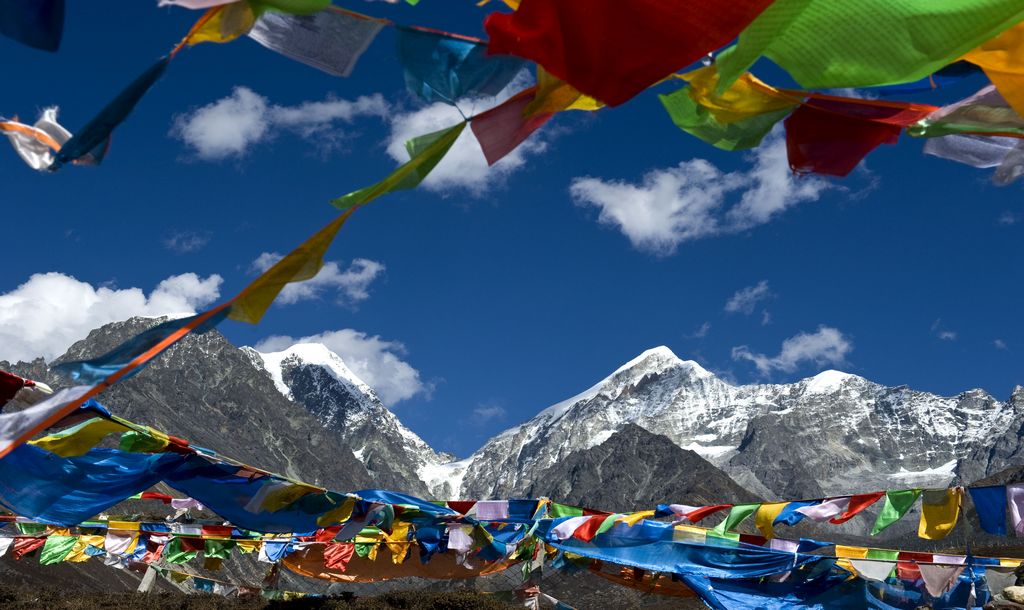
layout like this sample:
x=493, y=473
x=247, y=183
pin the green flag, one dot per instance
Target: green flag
x=218, y=549
x=425, y=153
x=736, y=516
x=174, y=553
x=56, y=549
x=697, y=121
x=27, y=529
x=897, y=503
x=827, y=44
x=883, y=554
x=564, y=510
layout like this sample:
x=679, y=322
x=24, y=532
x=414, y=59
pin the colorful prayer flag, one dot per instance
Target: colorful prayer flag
x=330, y=40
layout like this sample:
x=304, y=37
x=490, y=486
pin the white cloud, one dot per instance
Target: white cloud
x=942, y=332
x=376, y=361
x=464, y=168
x=746, y=299
x=489, y=411
x=696, y=199
x=1008, y=218
x=186, y=242
x=825, y=346
x=702, y=331
x=50, y=311
x=352, y=285
x=230, y=126
x=1000, y=344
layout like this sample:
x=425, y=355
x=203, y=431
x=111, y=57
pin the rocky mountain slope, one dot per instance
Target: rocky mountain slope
x=831, y=433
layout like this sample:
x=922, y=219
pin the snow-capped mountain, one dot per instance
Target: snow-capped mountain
x=830, y=433
x=314, y=376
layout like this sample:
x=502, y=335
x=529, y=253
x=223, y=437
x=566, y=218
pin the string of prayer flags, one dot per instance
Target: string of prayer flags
x=830, y=135
x=18, y=427
x=440, y=67
x=612, y=51
x=825, y=44
x=990, y=505
x=425, y=152
x=940, y=510
x=94, y=137
x=897, y=503
x=1002, y=59
x=330, y=40
x=36, y=23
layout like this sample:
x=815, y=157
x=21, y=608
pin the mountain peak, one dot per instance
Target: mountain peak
x=827, y=382
x=314, y=354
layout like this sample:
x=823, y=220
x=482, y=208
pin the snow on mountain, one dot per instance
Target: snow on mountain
x=834, y=432
x=314, y=376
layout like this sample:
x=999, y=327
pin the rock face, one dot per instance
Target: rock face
x=313, y=376
x=831, y=433
x=634, y=468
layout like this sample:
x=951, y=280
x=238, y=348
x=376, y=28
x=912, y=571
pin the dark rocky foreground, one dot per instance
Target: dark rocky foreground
x=24, y=598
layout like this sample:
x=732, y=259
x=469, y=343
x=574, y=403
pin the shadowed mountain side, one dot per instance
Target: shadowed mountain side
x=636, y=470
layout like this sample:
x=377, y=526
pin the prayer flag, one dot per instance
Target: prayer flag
x=897, y=503
x=940, y=509
x=338, y=554
x=195, y=4
x=17, y=427
x=990, y=504
x=56, y=548
x=826, y=44
x=737, y=515
x=613, y=51
x=1015, y=500
x=766, y=515
x=566, y=529
x=36, y=23
x=96, y=132
x=705, y=511
x=441, y=67
x=79, y=439
x=984, y=113
x=502, y=128
x=1002, y=59
x=791, y=514
x=855, y=505
x=556, y=95
x=830, y=135
x=699, y=122
x=873, y=569
x=826, y=510
x=330, y=40
x=223, y=24
x=425, y=152
x=37, y=144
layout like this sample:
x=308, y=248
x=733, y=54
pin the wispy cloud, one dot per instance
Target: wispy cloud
x=826, y=346
x=745, y=300
x=1008, y=218
x=186, y=242
x=489, y=411
x=696, y=200
x=1000, y=344
x=943, y=333
x=231, y=126
x=702, y=331
x=352, y=285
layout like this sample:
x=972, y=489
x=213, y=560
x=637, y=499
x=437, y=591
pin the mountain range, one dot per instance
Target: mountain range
x=657, y=429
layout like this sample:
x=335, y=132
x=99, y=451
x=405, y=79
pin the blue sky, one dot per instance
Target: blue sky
x=497, y=292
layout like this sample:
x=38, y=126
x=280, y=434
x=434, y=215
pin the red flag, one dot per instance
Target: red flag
x=705, y=511
x=588, y=530
x=612, y=50
x=502, y=128
x=338, y=554
x=830, y=135
x=857, y=504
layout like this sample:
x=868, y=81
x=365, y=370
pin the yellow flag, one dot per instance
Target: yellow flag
x=337, y=515
x=79, y=439
x=634, y=518
x=746, y=98
x=765, y=516
x=1002, y=59
x=940, y=509
x=851, y=552
x=223, y=23
x=300, y=264
x=556, y=95
x=398, y=541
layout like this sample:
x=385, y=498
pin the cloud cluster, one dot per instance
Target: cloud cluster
x=351, y=285
x=49, y=312
x=826, y=346
x=695, y=199
x=377, y=362
x=943, y=333
x=231, y=126
x=186, y=242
